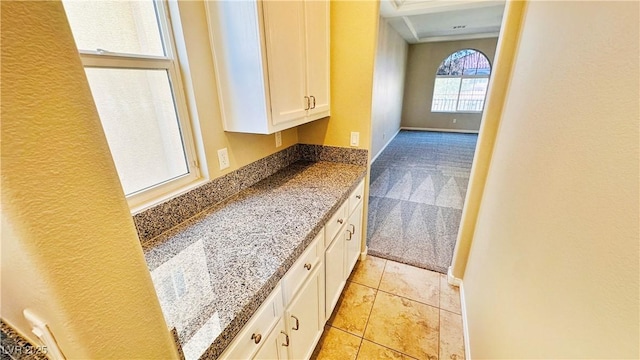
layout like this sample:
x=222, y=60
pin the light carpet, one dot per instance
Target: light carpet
x=417, y=190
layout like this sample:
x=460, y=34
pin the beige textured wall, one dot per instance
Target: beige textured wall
x=554, y=266
x=496, y=94
x=422, y=63
x=388, y=86
x=70, y=252
x=200, y=84
x=354, y=29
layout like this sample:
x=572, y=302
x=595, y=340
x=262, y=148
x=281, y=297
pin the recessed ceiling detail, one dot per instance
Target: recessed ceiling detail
x=440, y=20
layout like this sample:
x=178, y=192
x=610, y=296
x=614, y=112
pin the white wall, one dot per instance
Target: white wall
x=554, y=265
x=388, y=86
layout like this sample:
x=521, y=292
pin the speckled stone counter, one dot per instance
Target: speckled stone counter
x=213, y=271
x=15, y=347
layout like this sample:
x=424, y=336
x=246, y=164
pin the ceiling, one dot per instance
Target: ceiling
x=420, y=21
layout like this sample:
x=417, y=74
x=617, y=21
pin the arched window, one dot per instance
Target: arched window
x=461, y=82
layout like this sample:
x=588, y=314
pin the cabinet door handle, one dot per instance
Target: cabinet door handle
x=350, y=234
x=256, y=338
x=358, y=197
x=314, y=102
x=286, y=337
x=307, y=266
x=340, y=221
x=308, y=103
x=297, y=323
x=354, y=228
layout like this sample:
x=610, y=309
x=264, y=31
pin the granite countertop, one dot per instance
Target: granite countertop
x=213, y=271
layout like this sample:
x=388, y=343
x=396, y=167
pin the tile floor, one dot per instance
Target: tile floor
x=390, y=310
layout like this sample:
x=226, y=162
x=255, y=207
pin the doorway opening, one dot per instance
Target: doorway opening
x=419, y=177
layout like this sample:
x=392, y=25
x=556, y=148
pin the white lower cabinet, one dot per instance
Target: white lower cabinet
x=305, y=323
x=334, y=272
x=290, y=322
x=343, y=251
x=353, y=239
x=254, y=335
x=275, y=346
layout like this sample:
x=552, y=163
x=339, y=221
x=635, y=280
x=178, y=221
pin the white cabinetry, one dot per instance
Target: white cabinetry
x=251, y=338
x=343, y=250
x=272, y=62
x=304, y=317
x=290, y=322
x=353, y=239
x=334, y=272
x=304, y=293
x=275, y=346
x=317, y=20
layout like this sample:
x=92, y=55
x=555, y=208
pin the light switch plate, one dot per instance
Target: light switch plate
x=355, y=138
x=223, y=158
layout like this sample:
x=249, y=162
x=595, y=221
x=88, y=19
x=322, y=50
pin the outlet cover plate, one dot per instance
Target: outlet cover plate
x=223, y=158
x=278, y=139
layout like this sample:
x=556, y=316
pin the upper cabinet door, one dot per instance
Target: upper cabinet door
x=236, y=44
x=317, y=21
x=284, y=23
x=271, y=59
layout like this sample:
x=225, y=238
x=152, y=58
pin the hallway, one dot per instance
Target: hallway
x=418, y=186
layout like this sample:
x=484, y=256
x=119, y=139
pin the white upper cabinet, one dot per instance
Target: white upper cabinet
x=286, y=56
x=272, y=62
x=317, y=20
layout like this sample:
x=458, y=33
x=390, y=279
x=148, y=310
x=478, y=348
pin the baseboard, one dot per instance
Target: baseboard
x=363, y=254
x=452, y=279
x=440, y=130
x=385, y=146
x=465, y=323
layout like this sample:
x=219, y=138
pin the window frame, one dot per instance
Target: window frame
x=112, y=60
x=461, y=77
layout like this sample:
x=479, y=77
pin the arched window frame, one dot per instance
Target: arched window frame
x=446, y=98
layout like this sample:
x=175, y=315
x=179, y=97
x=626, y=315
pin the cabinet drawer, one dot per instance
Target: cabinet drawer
x=335, y=223
x=356, y=196
x=302, y=268
x=259, y=326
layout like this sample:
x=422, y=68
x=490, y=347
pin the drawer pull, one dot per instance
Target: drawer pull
x=358, y=197
x=256, y=338
x=307, y=266
x=354, y=228
x=350, y=234
x=286, y=337
x=340, y=221
x=297, y=323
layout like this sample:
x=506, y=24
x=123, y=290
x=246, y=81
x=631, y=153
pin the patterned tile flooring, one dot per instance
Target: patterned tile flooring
x=417, y=190
x=390, y=310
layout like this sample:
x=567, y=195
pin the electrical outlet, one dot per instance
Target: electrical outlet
x=278, y=139
x=455, y=120
x=355, y=138
x=223, y=158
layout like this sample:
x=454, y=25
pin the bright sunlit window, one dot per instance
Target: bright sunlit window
x=127, y=51
x=461, y=82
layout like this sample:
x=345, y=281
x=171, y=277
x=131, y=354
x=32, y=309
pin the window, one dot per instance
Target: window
x=461, y=82
x=127, y=51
